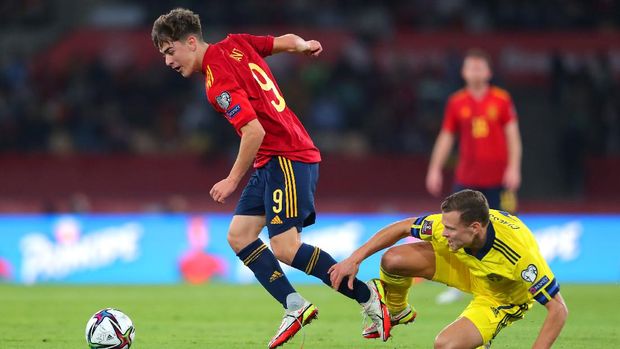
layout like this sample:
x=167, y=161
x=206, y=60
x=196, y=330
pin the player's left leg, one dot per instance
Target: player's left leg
x=291, y=194
x=479, y=323
x=313, y=261
x=461, y=334
x=316, y=262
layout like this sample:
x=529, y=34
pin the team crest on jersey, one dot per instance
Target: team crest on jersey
x=223, y=100
x=236, y=55
x=530, y=273
x=427, y=228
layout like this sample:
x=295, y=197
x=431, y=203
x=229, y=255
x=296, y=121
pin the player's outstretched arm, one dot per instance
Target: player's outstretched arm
x=385, y=237
x=295, y=44
x=556, y=317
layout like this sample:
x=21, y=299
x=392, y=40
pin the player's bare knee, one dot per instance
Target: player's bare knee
x=283, y=252
x=442, y=342
x=285, y=245
x=392, y=261
x=233, y=241
x=237, y=240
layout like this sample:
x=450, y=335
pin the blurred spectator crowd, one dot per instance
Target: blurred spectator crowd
x=467, y=15
x=350, y=104
x=374, y=91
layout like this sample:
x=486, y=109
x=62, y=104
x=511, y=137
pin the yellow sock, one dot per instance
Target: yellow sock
x=396, y=290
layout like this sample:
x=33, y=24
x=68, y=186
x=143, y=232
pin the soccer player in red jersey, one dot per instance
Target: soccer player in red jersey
x=485, y=121
x=280, y=192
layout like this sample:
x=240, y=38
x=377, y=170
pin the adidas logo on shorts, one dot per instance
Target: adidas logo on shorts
x=276, y=220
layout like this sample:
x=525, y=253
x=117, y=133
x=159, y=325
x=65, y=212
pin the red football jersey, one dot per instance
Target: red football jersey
x=483, y=152
x=240, y=85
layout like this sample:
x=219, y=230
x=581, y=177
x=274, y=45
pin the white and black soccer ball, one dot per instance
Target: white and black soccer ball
x=110, y=329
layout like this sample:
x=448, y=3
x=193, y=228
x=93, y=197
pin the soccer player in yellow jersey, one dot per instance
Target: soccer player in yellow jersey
x=488, y=253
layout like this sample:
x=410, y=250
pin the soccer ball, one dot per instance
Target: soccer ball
x=109, y=329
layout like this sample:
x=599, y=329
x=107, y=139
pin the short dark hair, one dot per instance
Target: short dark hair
x=478, y=53
x=175, y=25
x=472, y=205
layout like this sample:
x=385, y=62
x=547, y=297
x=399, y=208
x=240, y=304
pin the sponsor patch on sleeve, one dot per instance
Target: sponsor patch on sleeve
x=539, y=285
x=233, y=111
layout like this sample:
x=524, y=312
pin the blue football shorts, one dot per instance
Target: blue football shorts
x=283, y=191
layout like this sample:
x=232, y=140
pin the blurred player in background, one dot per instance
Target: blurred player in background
x=280, y=192
x=488, y=253
x=484, y=118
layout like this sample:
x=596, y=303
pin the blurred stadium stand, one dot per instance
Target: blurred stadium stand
x=91, y=119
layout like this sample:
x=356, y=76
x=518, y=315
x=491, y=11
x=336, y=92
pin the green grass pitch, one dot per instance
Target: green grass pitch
x=232, y=316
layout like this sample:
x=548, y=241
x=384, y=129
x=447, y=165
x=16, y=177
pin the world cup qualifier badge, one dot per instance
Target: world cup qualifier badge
x=427, y=228
x=223, y=100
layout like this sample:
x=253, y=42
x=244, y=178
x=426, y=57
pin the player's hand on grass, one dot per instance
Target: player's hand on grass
x=222, y=189
x=340, y=271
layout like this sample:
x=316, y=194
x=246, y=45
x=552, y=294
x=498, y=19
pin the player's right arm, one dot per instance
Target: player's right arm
x=554, y=322
x=384, y=238
x=229, y=99
x=294, y=44
x=441, y=151
x=252, y=135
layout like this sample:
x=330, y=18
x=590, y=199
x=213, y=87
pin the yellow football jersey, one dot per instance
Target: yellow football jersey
x=509, y=267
